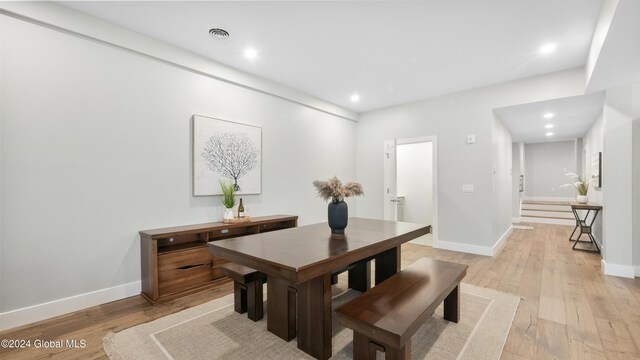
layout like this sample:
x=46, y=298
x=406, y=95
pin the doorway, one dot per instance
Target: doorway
x=410, y=182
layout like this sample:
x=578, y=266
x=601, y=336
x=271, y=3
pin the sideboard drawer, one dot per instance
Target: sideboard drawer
x=177, y=280
x=184, y=259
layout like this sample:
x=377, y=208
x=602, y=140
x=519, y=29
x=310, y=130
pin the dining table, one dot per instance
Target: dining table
x=300, y=262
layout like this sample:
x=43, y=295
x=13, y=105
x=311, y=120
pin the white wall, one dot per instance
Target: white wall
x=96, y=145
x=613, y=66
x=617, y=182
x=463, y=218
x=592, y=142
x=501, y=180
x=599, y=35
x=617, y=63
x=415, y=180
x=547, y=164
x=577, y=150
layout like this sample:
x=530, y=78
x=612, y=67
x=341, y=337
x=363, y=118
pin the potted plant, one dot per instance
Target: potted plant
x=582, y=187
x=228, y=199
x=338, y=211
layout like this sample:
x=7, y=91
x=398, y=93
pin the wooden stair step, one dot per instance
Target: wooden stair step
x=545, y=202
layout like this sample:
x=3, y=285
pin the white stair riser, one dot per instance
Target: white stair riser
x=554, y=214
x=546, y=207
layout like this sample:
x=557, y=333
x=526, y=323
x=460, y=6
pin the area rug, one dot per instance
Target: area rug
x=214, y=331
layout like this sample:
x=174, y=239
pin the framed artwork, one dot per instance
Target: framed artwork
x=596, y=170
x=521, y=186
x=226, y=151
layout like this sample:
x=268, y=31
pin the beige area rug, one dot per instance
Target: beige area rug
x=214, y=331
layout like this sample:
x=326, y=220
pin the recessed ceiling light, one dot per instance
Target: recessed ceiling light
x=548, y=48
x=250, y=53
x=548, y=115
x=548, y=126
x=220, y=34
x=355, y=98
x=549, y=134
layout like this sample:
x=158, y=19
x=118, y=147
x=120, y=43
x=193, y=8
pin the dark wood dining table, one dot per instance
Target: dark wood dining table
x=299, y=263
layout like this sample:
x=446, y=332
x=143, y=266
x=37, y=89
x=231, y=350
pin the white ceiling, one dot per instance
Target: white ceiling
x=572, y=118
x=389, y=52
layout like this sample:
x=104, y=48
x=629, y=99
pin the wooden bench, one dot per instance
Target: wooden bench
x=385, y=317
x=247, y=289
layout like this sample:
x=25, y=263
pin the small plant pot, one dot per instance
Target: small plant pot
x=228, y=215
x=582, y=199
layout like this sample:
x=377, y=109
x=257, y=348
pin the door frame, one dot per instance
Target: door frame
x=390, y=177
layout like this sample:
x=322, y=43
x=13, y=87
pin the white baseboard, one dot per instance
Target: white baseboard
x=462, y=247
x=474, y=249
x=626, y=271
x=502, y=241
x=19, y=317
x=637, y=270
x=516, y=220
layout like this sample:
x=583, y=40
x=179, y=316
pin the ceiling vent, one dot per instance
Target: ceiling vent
x=220, y=34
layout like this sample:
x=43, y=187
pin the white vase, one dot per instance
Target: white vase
x=228, y=215
x=582, y=199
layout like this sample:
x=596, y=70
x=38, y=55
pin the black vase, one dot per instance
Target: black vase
x=338, y=216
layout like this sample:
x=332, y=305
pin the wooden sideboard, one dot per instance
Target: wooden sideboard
x=176, y=260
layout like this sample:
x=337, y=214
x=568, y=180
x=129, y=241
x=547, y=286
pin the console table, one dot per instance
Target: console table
x=585, y=225
x=176, y=262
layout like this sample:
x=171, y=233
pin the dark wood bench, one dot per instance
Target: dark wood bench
x=247, y=289
x=385, y=317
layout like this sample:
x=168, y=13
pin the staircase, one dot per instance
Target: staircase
x=548, y=212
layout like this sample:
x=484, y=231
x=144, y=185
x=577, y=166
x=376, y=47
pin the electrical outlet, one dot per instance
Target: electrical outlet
x=467, y=188
x=471, y=139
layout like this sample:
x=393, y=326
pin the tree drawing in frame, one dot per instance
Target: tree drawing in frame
x=230, y=155
x=227, y=151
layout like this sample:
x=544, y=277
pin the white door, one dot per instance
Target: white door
x=391, y=180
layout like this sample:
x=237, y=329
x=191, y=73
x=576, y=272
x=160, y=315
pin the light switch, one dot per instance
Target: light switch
x=468, y=188
x=471, y=139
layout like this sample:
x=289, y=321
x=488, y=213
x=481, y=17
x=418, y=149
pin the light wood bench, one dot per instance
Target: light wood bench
x=385, y=317
x=247, y=289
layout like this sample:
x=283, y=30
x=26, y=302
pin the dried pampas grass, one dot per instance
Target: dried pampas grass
x=334, y=190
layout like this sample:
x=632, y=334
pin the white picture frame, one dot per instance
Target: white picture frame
x=226, y=151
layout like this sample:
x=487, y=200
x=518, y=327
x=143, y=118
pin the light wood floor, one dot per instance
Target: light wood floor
x=569, y=309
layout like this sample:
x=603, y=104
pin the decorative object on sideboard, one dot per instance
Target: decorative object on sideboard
x=225, y=149
x=241, y=212
x=335, y=192
x=582, y=187
x=228, y=199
